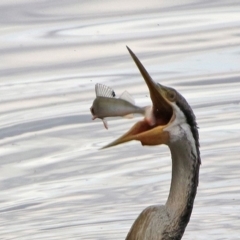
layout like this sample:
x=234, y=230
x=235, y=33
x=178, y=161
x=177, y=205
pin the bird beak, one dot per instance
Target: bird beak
x=162, y=113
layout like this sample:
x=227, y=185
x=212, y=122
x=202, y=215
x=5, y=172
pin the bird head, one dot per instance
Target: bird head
x=169, y=110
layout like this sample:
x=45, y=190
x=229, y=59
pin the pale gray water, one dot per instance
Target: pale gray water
x=54, y=182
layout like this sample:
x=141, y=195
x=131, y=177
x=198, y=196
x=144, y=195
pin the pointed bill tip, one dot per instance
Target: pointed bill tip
x=149, y=81
x=128, y=49
x=140, y=66
x=143, y=133
x=106, y=146
x=134, y=57
x=114, y=143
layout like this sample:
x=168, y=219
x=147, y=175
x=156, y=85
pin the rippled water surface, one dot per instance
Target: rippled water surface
x=54, y=182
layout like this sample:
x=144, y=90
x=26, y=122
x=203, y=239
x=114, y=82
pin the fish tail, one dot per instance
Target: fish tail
x=149, y=116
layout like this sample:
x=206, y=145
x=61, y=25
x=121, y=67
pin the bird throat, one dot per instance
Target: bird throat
x=185, y=171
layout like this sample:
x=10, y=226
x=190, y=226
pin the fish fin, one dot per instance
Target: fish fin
x=105, y=123
x=127, y=97
x=129, y=116
x=104, y=91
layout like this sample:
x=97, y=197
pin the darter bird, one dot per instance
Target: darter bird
x=175, y=126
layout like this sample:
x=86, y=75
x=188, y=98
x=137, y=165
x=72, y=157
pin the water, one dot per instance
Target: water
x=54, y=182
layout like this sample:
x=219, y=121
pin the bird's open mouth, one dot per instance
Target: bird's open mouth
x=150, y=131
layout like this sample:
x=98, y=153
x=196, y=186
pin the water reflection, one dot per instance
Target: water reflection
x=54, y=181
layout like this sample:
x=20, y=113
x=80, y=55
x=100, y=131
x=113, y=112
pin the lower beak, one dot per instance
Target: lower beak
x=161, y=113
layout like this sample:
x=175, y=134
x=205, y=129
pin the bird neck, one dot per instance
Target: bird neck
x=185, y=171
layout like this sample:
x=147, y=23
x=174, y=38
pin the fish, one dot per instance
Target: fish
x=107, y=105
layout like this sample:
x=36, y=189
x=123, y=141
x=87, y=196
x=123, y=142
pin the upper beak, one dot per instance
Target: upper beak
x=162, y=113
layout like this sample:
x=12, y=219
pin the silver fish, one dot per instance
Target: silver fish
x=107, y=105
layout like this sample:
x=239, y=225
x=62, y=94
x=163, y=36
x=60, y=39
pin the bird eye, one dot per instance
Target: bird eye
x=171, y=95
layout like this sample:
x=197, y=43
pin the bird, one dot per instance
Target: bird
x=175, y=126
